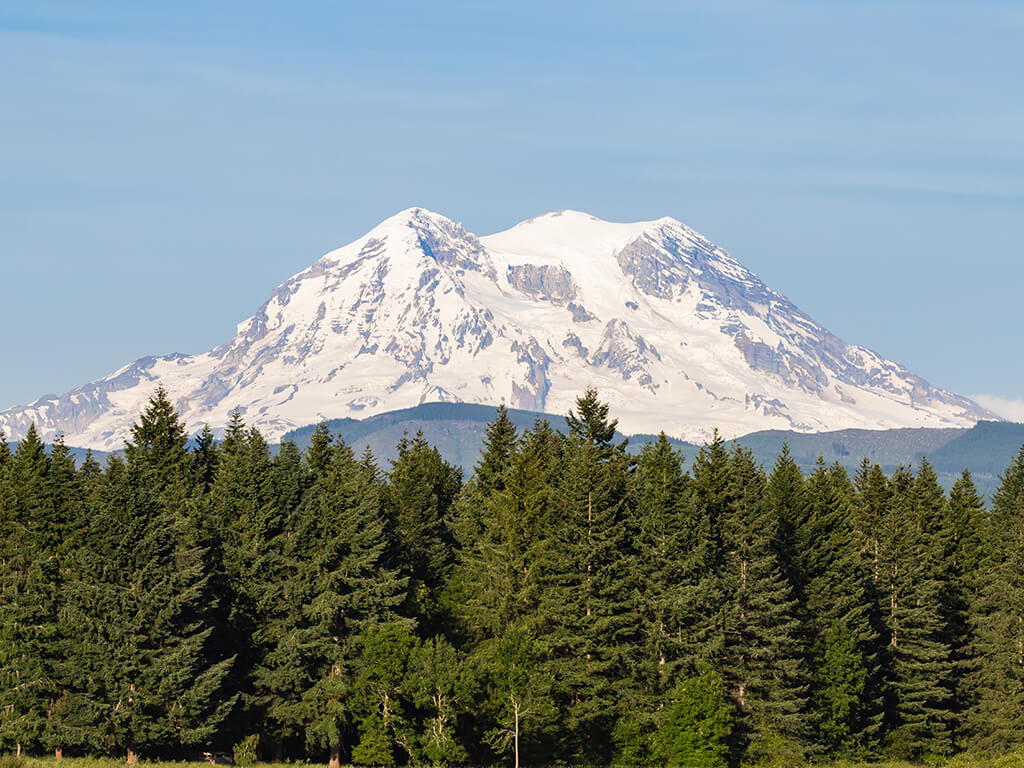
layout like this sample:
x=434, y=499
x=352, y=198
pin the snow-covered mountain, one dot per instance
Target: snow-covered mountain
x=671, y=329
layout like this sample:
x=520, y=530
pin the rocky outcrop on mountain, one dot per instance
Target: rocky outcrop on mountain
x=675, y=332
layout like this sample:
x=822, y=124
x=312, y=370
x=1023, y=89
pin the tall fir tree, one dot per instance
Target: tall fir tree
x=762, y=653
x=336, y=566
x=499, y=566
x=420, y=492
x=787, y=501
x=666, y=569
x=968, y=519
x=916, y=566
x=840, y=635
x=588, y=615
x=995, y=681
x=26, y=601
x=158, y=686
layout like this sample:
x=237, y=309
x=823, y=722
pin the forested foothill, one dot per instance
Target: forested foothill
x=569, y=603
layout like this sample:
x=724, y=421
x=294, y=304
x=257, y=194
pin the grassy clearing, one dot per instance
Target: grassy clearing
x=1011, y=760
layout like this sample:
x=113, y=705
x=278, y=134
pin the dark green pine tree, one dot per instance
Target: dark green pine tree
x=499, y=445
x=49, y=593
x=711, y=498
x=872, y=497
x=920, y=648
x=838, y=627
x=26, y=597
x=243, y=520
x=203, y=467
x=336, y=567
x=763, y=652
x=787, y=502
x=8, y=580
x=499, y=567
x=548, y=446
x=319, y=451
x=588, y=616
x=147, y=616
x=472, y=530
x=995, y=681
x=419, y=496
x=666, y=569
x=968, y=522
x=964, y=580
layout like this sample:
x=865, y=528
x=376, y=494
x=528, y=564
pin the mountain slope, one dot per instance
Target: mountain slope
x=676, y=333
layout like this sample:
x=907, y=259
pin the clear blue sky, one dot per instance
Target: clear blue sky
x=164, y=165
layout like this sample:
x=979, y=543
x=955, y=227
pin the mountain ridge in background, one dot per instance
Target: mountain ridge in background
x=457, y=430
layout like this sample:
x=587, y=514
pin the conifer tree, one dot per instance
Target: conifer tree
x=711, y=498
x=666, y=572
x=787, y=502
x=995, y=682
x=762, y=660
x=204, y=459
x=241, y=523
x=588, y=614
x=159, y=686
x=499, y=567
x=968, y=520
x=872, y=498
x=500, y=439
x=916, y=567
x=840, y=635
x=48, y=592
x=336, y=567
x=24, y=565
x=420, y=492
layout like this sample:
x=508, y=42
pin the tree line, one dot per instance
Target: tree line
x=569, y=603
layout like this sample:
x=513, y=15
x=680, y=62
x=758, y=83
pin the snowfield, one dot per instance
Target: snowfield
x=673, y=331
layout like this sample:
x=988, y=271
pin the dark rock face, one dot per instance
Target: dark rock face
x=652, y=269
x=544, y=282
x=626, y=352
x=537, y=384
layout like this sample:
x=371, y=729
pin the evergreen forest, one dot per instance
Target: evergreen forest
x=567, y=603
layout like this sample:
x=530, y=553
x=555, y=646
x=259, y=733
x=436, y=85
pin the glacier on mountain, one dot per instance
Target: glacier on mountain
x=673, y=331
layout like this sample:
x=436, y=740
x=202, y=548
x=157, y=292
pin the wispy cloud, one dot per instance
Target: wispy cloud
x=1006, y=407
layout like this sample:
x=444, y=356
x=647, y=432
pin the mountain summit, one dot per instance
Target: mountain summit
x=671, y=329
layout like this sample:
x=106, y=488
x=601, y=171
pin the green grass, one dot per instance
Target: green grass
x=1011, y=760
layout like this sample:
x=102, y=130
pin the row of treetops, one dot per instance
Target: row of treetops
x=569, y=602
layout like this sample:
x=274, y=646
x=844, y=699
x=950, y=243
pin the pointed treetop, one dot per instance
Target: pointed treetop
x=159, y=426
x=495, y=455
x=590, y=422
x=158, y=438
x=1008, y=500
x=31, y=441
x=318, y=454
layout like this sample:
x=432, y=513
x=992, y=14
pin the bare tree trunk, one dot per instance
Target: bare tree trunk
x=517, y=737
x=335, y=760
x=133, y=756
x=17, y=751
